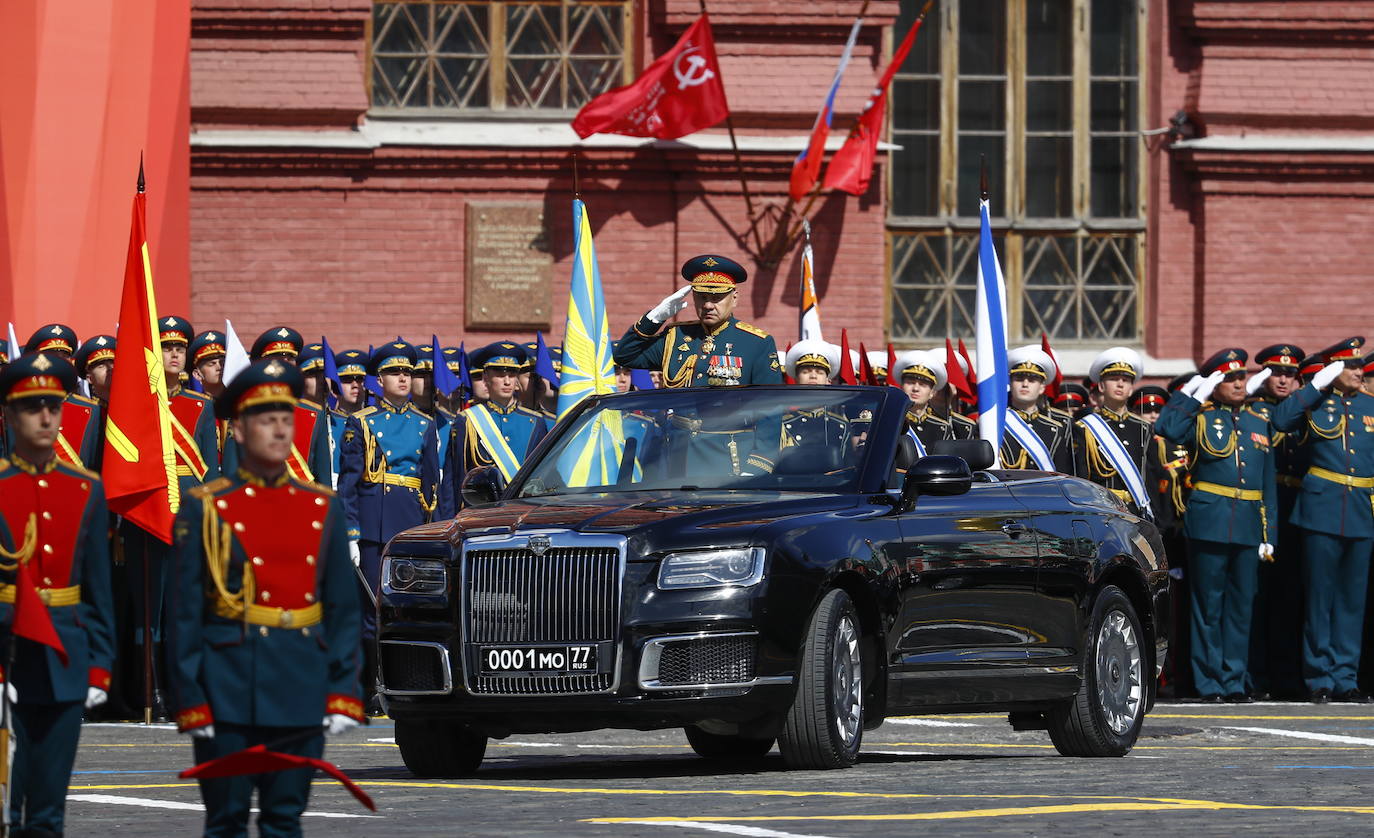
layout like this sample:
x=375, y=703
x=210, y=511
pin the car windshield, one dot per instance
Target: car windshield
x=789, y=439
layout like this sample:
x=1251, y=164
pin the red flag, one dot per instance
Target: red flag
x=968, y=363
x=846, y=362
x=851, y=168
x=139, y=466
x=786, y=379
x=955, y=374
x=1052, y=389
x=678, y=94
x=259, y=760
x=894, y=378
x=866, y=374
x=31, y=617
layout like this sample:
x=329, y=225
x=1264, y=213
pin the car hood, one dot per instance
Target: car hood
x=652, y=521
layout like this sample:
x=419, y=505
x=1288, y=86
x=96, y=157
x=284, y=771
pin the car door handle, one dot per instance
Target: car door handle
x=1015, y=529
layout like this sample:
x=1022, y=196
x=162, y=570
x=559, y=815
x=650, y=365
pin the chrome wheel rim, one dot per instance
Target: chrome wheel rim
x=846, y=672
x=1120, y=688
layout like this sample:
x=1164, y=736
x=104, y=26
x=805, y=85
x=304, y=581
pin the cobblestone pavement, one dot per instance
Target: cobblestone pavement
x=1272, y=769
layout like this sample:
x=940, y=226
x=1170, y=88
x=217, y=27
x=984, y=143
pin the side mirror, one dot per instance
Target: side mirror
x=937, y=474
x=482, y=485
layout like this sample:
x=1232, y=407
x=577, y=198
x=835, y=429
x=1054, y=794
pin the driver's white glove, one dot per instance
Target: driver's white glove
x=1327, y=374
x=336, y=723
x=207, y=732
x=1266, y=552
x=1257, y=381
x=1204, y=390
x=1191, y=387
x=95, y=696
x=672, y=304
x=354, y=553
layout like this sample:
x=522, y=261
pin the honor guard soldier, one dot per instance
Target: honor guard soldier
x=496, y=432
x=455, y=359
x=1110, y=442
x=79, y=441
x=311, y=364
x=207, y=361
x=54, y=522
x=1229, y=521
x=1334, y=511
x=922, y=374
x=388, y=476
x=422, y=380
x=94, y=362
x=715, y=351
x=813, y=362
x=1035, y=439
x=310, y=460
x=265, y=611
x=1146, y=402
x=1072, y=399
x=877, y=361
x=351, y=367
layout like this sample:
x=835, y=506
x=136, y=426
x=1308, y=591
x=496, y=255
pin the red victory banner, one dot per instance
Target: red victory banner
x=679, y=94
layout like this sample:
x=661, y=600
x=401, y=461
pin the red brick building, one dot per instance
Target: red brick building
x=342, y=152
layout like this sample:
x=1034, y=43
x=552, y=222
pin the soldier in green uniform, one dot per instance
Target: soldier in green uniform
x=1229, y=519
x=1334, y=510
x=717, y=350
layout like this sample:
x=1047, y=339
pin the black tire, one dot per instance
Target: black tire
x=1104, y=718
x=439, y=749
x=818, y=732
x=714, y=746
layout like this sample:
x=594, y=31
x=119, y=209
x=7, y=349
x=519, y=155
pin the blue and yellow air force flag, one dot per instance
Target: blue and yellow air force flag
x=993, y=378
x=593, y=457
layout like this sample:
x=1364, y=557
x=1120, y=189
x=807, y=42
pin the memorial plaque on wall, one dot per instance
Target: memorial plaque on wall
x=509, y=266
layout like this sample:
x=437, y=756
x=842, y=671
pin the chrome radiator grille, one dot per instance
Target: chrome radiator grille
x=568, y=594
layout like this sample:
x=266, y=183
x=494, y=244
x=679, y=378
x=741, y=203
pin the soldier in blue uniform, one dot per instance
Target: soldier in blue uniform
x=265, y=611
x=715, y=351
x=351, y=367
x=388, y=477
x=1230, y=518
x=1030, y=369
x=53, y=520
x=311, y=364
x=1334, y=510
x=498, y=431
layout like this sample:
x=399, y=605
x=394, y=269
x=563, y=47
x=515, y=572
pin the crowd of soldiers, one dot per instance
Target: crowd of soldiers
x=253, y=621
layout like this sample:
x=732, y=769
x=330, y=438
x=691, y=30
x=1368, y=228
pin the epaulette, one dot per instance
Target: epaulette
x=367, y=411
x=208, y=490
x=932, y=417
x=751, y=329
x=520, y=408
x=84, y=401
x=4, y=465
x=959, y=417
x=192, y=394
x=317, y=488
x=1061, y=415
x=1140, y=421
x=1054, y=421
x=78, y=471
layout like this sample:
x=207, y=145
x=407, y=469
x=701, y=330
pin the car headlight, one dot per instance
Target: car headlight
x=711, y=568
x=414, y=576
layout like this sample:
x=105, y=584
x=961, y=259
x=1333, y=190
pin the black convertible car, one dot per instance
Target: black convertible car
x=767, y=564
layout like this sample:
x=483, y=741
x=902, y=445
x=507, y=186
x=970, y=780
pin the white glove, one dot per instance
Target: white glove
x=1327, y=374
x=207, y=732
x=95, y=696
x=672, y=304
x=1191, y=387
x=11, y=693
x=1266, y=552
x=1257, y=381
x=336, y=723
x=354, y=553
x=1204, y=390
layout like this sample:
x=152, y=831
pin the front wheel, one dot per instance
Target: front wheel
x=824, y=727
x=1104, y=718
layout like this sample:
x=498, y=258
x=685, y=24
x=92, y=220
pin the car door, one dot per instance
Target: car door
x=966, y=591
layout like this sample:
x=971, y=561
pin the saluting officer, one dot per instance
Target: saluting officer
x=715, y=351
x=814, y=362
x=1230, y=519
x=1334, y=510
x=1276, y=636
x=53, y=520
x=1030, y=367
x=265, y=611
x=79, y=441
x=498, y=431
x=922, y=373
x=1111, y=442
x=388, y=477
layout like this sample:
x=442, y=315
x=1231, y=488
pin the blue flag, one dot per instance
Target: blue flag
x=444, y=380
x=543, y=362
x=331, y=373
x=991, y=325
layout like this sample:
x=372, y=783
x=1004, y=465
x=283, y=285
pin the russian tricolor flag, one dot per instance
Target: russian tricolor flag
x=807, y=167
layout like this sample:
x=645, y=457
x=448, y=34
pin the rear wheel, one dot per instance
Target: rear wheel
x=717, y=747
x=824, y=727
x=439, y=749
x=1104, y=718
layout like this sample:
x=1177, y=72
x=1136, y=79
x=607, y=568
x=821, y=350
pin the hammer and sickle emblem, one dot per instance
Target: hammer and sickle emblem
x=695, y=71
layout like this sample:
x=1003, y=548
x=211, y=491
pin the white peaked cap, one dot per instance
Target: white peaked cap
x=1031, y=355
x=1117, y=359
x=813, y=351
x=927, y=364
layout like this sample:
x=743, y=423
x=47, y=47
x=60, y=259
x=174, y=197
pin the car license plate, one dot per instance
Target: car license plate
x=556, y=659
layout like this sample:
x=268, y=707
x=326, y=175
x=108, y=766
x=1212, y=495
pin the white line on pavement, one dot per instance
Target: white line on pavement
x=1304, y=734
x=175, y=804
x=728, y=828
x=930, y=723
x=130, y=724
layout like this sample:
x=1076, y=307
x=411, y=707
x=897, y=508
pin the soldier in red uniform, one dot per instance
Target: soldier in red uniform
x=53, y=520
x=309, y=458
x=266, y=611
x=79, y=442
